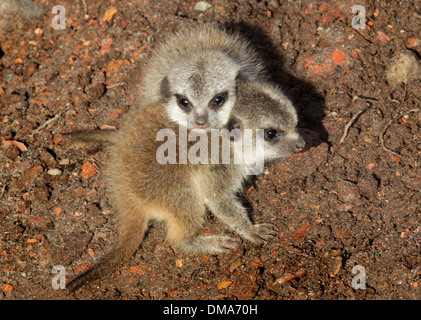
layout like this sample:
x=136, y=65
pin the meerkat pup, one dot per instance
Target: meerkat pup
x=195, y=73
x=141, y=189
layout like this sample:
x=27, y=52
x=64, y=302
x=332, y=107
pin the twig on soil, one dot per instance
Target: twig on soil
x=290, y=277
x=350, y=123
x=382, y=139
x=116, y=85
x=413, y=110
x=2, y=190
x=381, y=136
x=363, y=36
x=387, y=126
x=357, y=31
x=85, y=8
x=97, y=164
x=365, y=98
x=46, y=123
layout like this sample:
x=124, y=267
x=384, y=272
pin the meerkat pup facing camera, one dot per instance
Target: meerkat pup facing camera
x=141, y=189
x=195, y=73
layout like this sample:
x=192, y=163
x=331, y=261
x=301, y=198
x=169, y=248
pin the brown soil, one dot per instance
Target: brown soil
x=336, y=206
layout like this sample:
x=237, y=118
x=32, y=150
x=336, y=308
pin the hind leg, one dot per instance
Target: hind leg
x=207, y=244
x=230, y=211
x=184, y=236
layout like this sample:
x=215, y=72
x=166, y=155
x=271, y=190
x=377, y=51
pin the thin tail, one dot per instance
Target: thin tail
x=104, y=136
x=130, y=238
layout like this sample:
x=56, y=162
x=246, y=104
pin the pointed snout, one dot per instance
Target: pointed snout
x=299, y=143
x=201, y=121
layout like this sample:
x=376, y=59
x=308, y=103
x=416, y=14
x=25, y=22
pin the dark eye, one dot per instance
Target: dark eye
x=218, y=101
x=183, y=103
x=271, y=134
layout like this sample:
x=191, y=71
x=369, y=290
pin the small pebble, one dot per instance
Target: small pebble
x=54, y=172
x=202, y=6
x=64, y=162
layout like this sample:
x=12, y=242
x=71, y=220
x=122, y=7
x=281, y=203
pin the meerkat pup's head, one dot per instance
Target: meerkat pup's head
x=199, y=89
x=264, y=106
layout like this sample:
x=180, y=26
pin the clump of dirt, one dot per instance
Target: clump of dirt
x=352, y=198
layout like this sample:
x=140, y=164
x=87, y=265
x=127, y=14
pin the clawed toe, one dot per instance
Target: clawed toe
x=263, y=232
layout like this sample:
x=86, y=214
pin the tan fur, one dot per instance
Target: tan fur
x=141, y=189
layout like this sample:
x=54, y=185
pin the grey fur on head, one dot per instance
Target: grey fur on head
x=195, y=72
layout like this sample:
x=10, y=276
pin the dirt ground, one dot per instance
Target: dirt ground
x=351, y=199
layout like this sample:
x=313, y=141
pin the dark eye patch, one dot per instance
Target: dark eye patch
x=273, y=134
x=219, y=100
x=183, y=102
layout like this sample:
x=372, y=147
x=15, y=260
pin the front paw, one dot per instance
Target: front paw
x=261, y=233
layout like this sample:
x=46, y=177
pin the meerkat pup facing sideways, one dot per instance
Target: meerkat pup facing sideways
x=195, y=73
x=142, y=190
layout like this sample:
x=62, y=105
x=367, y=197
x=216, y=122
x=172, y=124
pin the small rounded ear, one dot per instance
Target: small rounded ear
x=241, y=77
x=165, y=89
x=234, y=126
